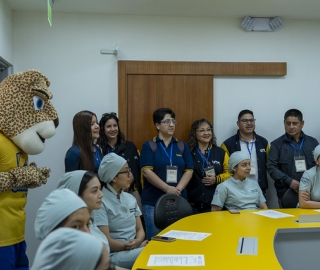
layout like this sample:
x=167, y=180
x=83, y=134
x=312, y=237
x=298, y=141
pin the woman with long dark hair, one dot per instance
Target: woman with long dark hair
x=112, y=140
x=84, y=153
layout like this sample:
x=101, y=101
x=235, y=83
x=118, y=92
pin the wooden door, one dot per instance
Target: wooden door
x=189, y=96
x=185, y=87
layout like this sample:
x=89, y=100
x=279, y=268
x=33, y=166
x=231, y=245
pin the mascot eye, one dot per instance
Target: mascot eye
x=38, y=103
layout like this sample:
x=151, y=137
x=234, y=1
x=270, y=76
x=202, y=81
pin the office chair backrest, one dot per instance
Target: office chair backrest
x=170, y=208
x=290, y=199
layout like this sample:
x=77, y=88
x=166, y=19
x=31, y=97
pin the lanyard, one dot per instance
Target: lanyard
x=170, y=157
x=250, y=150
x=203, y=158
x=298, y=149
x=97, y=154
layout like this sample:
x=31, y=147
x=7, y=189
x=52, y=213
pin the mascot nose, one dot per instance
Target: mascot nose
x=56, y=122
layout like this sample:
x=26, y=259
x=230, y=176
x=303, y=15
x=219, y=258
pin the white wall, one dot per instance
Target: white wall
x=6, y=32
x=81, y=78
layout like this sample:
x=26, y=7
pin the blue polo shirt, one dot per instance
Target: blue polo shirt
x=158, y=162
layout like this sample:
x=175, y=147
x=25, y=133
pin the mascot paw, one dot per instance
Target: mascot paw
x=30, y=176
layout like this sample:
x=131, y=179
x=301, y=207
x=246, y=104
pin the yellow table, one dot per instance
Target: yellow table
x=220, y=248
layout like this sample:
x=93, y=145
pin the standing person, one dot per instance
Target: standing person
x=119, y=216
x=290, y=155
x=84, y=153
x=238, y=192
x=210, y=165
x=248, y=141
x=112, y=140
x=166, y=165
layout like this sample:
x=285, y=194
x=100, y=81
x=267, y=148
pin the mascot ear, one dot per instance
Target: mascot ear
x=35, y=77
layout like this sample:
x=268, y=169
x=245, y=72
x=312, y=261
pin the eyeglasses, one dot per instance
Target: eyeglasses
x=169, y=121
x=202, y=131
x=247, y=121
x=108, y=114
x=128, y=171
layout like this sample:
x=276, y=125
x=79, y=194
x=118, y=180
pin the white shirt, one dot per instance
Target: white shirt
x=253, y=155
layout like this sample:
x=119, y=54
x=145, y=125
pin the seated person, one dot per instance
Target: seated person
x=64, y=208
x=87, y=186
x=61, y=208
x=119, y=216
x=238, y=192
x=309, y=189
x=67, y=248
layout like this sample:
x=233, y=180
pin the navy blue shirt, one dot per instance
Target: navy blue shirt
x=158, y=162
x=72, y=159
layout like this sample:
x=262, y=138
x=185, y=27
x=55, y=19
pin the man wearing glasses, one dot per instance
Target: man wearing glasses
x=290, y=155
x=257, y=147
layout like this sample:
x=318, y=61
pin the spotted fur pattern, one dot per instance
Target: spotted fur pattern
x=17, y=111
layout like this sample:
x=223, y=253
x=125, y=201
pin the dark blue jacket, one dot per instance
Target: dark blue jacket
x=262, y=148
x=281, y=167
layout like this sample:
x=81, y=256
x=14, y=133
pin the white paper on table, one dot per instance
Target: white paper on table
x=185, y=235
x=318, y=210
x=176, y=260
x=272, y=214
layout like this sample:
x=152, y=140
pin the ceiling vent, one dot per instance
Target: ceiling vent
x=256, y=24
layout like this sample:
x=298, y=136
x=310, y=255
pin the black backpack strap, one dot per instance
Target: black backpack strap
x=153, y=146
x=181, y=146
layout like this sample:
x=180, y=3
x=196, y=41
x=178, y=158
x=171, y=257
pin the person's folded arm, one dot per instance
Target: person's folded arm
x=188, y=169
x=154, y=179
x=305, y=189
x=219, y=198
x=225, y=175
x=215, y=208
x=262, y=200
x=307, y=203
x=184, y=180
x=263, y=205
x=273, y=167
x=115, y=245
x=140, y=235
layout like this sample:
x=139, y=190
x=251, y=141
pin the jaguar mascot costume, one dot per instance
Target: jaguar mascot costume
x=27, y=118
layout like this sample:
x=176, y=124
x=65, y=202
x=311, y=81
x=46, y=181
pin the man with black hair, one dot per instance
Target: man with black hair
x=248, y=141
x=290, y=155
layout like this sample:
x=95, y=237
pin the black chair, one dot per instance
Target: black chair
x=290, y=199
x=170, y=208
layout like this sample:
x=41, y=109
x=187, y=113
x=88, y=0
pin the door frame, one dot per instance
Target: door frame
x=126, y=68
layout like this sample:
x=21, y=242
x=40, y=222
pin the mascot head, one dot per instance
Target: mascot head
x=27, y=116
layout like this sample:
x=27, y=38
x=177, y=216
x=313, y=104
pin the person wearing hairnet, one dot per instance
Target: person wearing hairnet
x=119, y=216
x=87, y=186
x=61, y=208
x=309, y=188
x=67, y=248
x=238, y=192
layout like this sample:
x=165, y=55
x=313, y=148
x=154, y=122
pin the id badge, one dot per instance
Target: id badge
x=209, y=171
x=253, y=170
x=300, y=163
x=172, y=174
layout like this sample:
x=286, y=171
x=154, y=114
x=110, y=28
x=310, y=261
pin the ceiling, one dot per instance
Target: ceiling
x=295, y=9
